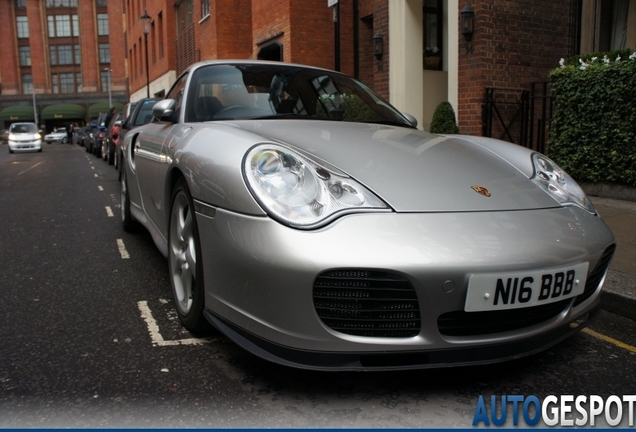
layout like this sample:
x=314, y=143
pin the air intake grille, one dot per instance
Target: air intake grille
x=594, y=279
x=367, y=303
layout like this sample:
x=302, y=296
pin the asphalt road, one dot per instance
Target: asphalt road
x=88, y=336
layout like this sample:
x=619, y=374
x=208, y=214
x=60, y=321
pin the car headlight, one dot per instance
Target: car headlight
x=12, y=137
x=37, y=136
x=301, y=193
x=554, y=180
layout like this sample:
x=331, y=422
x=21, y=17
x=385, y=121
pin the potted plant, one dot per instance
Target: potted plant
x=432, y=58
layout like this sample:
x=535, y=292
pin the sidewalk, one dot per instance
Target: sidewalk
x=619, y=292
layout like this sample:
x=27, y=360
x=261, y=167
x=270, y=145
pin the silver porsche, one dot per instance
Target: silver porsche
x=314, y=225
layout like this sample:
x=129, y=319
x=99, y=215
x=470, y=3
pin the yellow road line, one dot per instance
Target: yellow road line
x=613, y=341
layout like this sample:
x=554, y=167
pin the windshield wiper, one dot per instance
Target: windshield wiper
x=389, y=122
x=287, y=116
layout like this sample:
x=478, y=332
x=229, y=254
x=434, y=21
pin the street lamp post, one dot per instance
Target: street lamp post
x=35, y=111
x=110, y=96
x=145, y=18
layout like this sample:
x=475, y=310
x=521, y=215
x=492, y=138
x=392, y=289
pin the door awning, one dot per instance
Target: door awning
x=63, y=111
x=17, y=113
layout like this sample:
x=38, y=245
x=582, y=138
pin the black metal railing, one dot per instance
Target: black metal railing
x=519, y=116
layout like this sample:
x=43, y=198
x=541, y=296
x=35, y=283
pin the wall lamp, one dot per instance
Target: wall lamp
x=467, y=27
x=378, y=45
x=468, y=23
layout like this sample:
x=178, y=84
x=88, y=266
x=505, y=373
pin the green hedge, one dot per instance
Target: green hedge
x=593, y=130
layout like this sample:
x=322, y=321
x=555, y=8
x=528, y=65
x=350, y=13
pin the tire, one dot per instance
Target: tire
x=128, y=223
x=64, y=140
x=184, y=260
x=10, y=151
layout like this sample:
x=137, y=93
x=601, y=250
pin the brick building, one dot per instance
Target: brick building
x=66, y=55
x=424, y=57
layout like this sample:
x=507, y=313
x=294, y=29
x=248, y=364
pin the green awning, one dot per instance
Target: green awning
x=102, y=108
x=17, y=113
x=63, y=111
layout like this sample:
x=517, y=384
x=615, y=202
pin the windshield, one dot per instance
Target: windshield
x=224, y=92
x=145, y=112
x=24, y=128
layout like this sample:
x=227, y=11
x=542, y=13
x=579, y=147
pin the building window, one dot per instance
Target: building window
x=64, y=55
x=205, y=8
x=66, y=83
x=25, y=56
x=611, y=33
x=53, y=53
x=60, y=25
x=63, y=25
x=160, y=20
x=433, y=19
x=51, y=24
x=104, y=80
x=152, y=42
x=78, y=54
x=27, y=84
x=75, y=26
x=102, y=24
x=20, y=3
x=184, y=11
x=100, y=3
x=22, y=26
x=104, y=53
x=61, y=3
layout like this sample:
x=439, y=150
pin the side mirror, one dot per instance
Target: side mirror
x=163, y=109
x=411, y=119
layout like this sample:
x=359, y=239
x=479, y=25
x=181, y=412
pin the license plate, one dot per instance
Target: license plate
x=515, y=290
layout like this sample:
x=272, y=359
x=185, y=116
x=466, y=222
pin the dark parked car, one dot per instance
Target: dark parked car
x=109, y=143
x=99, y=133
x=84, y=136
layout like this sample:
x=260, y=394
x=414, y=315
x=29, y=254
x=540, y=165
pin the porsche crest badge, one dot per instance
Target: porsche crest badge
x=481, y=190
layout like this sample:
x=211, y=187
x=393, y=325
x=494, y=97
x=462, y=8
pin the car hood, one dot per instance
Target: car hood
x=411, y=170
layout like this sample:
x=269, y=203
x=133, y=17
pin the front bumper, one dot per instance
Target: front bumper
x=26, y=146
x=260, y=280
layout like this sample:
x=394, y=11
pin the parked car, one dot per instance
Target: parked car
x=314, y=225
x=4, y=136
x=84, y=136
x=99, y=133
x=140, y=115
x=110, y=139
x=24, y=137
x=58, y=134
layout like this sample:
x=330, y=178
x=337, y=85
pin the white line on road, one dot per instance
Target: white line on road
x=92, y=167
x=100, y=188
x=95, y=174
x=109, y=212
x=122, y=249
x=155, y=336
x=30, y=168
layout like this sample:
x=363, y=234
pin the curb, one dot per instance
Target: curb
x=618, y=294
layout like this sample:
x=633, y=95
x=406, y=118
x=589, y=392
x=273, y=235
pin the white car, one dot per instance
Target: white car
x=58, y=134
x=24, y=137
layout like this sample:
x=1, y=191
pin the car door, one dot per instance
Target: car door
x=152, y=161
